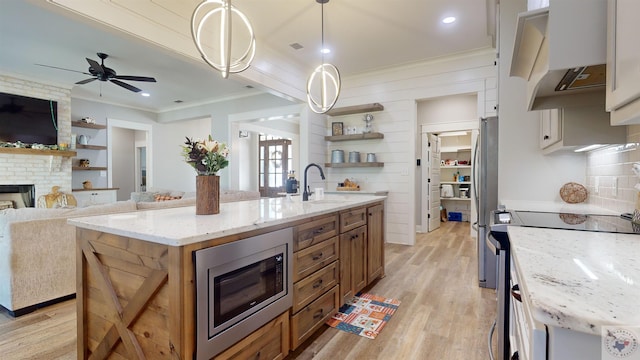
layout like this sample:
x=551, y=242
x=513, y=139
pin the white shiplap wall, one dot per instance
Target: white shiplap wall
x=398, y=90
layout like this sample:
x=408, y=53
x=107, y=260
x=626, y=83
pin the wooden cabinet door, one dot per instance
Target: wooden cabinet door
x=353, y=275
x=375, y=242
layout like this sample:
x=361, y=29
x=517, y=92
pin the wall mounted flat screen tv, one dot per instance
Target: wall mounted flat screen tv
x=28, y=120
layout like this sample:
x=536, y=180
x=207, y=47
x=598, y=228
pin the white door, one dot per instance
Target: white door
x=433, y=181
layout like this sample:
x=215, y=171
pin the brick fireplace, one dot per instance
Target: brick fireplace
x=43, y=171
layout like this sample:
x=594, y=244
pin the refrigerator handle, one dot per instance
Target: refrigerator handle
x=473, y=174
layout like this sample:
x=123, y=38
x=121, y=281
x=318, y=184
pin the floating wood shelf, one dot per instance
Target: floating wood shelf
x=357, y=109
x=87, y=125
x=91, y=147
x=25, y=151
x=373, y=135
x=350, y=165
x=88, y=168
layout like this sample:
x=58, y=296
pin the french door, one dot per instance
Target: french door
x=274, y=162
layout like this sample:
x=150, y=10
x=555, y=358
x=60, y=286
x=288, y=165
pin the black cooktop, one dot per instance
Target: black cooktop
x=569, y=221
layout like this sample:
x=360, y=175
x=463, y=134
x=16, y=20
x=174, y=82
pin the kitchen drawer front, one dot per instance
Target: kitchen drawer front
x=352, y=219
x=312, y=317
x=270, y=342
x=314, y=232
x=314, y=258
x=309, y=288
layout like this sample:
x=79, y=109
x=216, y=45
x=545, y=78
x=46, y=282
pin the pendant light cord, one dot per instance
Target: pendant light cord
x=322, y=29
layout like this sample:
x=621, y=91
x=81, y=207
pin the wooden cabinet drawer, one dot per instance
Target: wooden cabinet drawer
x=311, y=259
x=270, y=342
x=352, y=219
x=311, y=318
x=315, y=231
x=309, y=288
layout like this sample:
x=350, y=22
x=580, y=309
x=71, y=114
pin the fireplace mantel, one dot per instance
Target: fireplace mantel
x=24, y=151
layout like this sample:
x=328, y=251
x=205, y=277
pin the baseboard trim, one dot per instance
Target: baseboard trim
x=32, y=308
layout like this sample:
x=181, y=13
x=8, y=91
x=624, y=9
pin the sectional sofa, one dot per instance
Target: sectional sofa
x=37, y=249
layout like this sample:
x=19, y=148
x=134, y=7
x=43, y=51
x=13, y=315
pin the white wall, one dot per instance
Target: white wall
x=100, y=112
x=446, y=110
x=123, y=162
x=398, y=90
x=171, y=171
x=524, y=172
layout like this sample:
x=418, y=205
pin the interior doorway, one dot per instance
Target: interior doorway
x=125, y=172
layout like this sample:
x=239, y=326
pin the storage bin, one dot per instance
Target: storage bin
x=455, y=216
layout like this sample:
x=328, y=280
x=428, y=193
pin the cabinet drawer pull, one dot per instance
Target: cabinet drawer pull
x=317, y=284
x=319, y=230
x=317, y=257
x=318, y=314
x=257, y=355
x=353, y=237
x=515, y=292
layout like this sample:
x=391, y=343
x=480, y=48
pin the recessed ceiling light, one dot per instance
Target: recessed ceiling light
x=449, y=20
x=145, y=94
x=325, y=51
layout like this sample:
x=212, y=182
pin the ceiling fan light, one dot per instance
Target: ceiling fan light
x=145, y=94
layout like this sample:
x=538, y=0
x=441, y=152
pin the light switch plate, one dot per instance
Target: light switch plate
x=596, y=185
x=615, y=186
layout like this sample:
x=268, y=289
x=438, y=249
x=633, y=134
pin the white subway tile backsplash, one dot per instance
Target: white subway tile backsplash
x=615, y=162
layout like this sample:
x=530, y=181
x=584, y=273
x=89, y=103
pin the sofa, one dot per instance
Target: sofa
x=37, y=249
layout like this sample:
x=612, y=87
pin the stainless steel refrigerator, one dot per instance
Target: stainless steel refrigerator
x=485, y=172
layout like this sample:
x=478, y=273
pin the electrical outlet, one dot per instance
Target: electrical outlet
x=615, y=186
x=596, y=185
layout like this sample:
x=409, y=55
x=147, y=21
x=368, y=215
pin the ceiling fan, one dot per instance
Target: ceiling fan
x=103, y=73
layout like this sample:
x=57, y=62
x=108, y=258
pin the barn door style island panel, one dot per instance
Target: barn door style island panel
x=254, y=281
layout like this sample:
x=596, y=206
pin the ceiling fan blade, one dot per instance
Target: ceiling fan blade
x=95, y=66
x=125, y=85
x=135, y=78
x=82, y=82
x=59, y=68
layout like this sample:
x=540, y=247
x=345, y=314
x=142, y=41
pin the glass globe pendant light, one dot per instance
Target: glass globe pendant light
x=204, y=12
x=323, y=85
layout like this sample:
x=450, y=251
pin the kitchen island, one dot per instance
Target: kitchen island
x=574, y=285
x=136, y=279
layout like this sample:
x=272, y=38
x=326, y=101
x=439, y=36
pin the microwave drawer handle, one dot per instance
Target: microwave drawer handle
x=515, y=292
x=317, y=257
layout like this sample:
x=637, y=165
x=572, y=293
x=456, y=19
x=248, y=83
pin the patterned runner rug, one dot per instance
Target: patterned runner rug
x=364, y=315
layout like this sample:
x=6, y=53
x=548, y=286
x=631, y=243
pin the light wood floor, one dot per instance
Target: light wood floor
x=444, y=314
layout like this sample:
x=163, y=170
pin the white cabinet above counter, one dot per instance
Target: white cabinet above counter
x=623, y=62
x=571, y=128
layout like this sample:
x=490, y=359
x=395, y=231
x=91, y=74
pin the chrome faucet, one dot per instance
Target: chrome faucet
x=307, y=191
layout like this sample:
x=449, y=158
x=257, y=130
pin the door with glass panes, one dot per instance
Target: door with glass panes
x=275, y=162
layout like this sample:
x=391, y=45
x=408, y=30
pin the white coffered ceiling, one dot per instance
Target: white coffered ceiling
x=365, y=35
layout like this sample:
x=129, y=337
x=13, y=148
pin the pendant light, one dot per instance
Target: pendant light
x=204, y=12
x=323, y=85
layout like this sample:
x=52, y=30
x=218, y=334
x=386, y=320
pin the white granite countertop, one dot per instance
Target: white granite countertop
x=181, y=226
x=578, y=280
x=552, y=206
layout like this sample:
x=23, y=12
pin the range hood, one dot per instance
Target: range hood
x=560, y=50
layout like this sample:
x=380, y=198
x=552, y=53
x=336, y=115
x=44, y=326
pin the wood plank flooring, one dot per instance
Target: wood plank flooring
x=444, y=314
